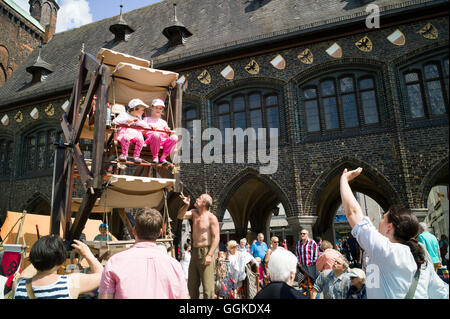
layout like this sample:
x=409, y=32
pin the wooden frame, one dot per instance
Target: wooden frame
x=68, y=155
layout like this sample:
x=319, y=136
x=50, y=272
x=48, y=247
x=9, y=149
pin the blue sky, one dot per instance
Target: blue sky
x=75, y=13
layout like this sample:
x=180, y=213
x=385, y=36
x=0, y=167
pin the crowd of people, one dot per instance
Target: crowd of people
x=399, y=260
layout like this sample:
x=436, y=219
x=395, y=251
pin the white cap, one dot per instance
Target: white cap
x=158, y=102
x=356, y=272
x=136, y=102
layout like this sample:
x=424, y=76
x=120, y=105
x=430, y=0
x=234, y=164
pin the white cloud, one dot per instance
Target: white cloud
x=73, y=14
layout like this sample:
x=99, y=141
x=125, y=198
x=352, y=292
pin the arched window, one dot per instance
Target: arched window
x=38, y=152
x=252, y=107
x=427, y=88
x=191, y=112
x=340, y=101
x=6, y=158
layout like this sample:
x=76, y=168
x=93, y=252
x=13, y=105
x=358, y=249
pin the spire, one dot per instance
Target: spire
x=121, y=29
x=177, y=32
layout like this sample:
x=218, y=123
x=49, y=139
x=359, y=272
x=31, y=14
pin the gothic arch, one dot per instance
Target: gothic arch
x=324, y=196
x=244, y=83
x=436, y=175
x=38, y=204
x=341, y=64
x=250, y=196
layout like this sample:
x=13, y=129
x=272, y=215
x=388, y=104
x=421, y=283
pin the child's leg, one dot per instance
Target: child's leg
x=168, y=146
x=124, y=141
x=154, y=140
x=138, y=143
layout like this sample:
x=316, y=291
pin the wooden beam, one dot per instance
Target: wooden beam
x=178, y=117
x=126, y=221
x=83, y=170
x=76, y=92
x=81, y=218
x=100, y=129
x=57, y=203
x=86, y=108
x=66, y=128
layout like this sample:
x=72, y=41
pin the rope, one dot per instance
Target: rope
x=170, y=111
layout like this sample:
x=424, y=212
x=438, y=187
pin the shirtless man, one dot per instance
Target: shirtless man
x=205, y=237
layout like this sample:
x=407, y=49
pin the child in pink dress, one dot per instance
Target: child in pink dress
x=132, y=134
x=160, y=137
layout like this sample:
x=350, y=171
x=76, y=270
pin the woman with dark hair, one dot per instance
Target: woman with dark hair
x=46, y=256
x=398, y=267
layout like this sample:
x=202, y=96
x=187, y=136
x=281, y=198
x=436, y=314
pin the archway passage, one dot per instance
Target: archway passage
x=253, y=201
x=38, y=205
x=369, y=183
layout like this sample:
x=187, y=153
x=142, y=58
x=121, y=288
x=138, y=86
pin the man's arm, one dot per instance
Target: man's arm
x=183, y=213
x=353, y=211
x=215, y=238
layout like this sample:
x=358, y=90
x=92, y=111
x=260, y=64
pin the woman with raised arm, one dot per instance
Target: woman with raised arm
x=398, y=267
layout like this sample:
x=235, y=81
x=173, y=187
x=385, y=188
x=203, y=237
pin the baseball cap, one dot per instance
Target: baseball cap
x=356, y=272
x=158, y=102
x=135, y=102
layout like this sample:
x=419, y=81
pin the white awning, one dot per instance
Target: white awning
x=132, y=81
x=126, y=191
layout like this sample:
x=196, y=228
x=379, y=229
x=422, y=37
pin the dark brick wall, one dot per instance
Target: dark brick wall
x=396, y=156
x=18, y=36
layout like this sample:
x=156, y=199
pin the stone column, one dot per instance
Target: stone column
x=297, y=223
x=420, y=213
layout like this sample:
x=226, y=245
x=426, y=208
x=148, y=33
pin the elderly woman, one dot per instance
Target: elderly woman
x=334, y=283
x=282, y=269
x=237, y=261
x=358, y=284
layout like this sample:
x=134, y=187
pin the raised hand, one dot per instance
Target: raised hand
x=351, y=175
x=186, y=200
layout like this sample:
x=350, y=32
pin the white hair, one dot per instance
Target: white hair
x=422, y=226
x=281, y=264
x=243, y=240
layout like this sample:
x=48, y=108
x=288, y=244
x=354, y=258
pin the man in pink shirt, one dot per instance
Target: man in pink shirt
x=328, y=257
x=144, y=271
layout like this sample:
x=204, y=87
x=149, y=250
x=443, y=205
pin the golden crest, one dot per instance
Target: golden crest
x=204, y=77
x=306, y=57
x=18, y=117
x=429, y=32
x=397, y=38
x=252, y=67
x=364, y=44
x=50, y=110
x=82, y=100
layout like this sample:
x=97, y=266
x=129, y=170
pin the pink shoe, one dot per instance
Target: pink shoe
x=122, y=158
x=137, y=160
x=155, y=160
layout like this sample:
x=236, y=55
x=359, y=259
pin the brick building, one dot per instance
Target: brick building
x=23, y=31
x=340, y=95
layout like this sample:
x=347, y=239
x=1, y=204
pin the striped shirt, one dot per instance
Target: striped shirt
x=307, y=253
x=57, y=290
